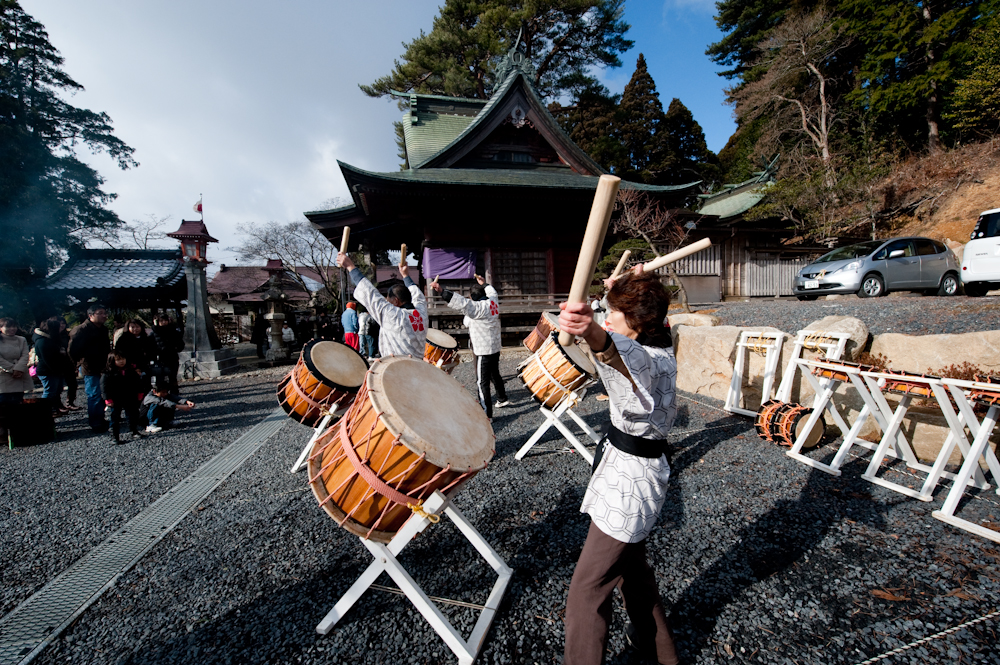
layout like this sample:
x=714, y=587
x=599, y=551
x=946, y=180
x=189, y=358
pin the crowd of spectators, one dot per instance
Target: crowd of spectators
x=129, y=374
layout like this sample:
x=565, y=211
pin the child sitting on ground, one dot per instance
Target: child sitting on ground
x=161, y=406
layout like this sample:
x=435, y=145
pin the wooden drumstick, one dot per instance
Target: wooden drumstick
x=436, y=277
x=667, y=259
x=593, y=238
x=621, y=264
x=343, y=241
x=402, y=254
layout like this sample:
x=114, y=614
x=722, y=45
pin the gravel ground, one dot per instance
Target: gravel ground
x=902, y=312
x=760, y=558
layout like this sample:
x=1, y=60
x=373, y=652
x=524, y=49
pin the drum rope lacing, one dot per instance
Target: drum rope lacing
x=815, y=339
x=570, y=389
x=758, y=345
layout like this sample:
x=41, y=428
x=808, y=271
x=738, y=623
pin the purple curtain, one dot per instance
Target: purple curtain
x=449, y=263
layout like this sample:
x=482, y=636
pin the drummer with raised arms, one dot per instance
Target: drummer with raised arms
x=482, y=317
x=402, y=315
x=637, y=364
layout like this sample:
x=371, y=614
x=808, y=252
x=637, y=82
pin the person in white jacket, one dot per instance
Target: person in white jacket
x=402, y=316
x=482, y=318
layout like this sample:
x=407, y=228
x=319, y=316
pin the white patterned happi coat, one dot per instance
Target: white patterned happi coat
x=403, y=331
x=626, y=492
x=482, y=318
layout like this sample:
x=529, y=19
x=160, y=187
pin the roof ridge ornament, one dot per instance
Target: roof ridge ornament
x=514, y=61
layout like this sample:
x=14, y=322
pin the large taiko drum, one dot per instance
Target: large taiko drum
x=547, y=324
x=556, y=371
x=788, y=425
x=441, y=350
x=325, y=380
x=411, y=430
x=764, y=415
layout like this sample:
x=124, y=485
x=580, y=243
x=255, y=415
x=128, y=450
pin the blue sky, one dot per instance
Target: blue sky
x=251, y=103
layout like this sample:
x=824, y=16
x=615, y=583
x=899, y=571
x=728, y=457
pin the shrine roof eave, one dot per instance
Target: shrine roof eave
x=442, y=98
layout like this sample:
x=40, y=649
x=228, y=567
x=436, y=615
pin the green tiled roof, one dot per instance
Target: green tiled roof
x=543, y=178
x=431, y=133
x=732, y=203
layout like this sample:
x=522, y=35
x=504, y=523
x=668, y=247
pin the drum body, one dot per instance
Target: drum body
x=899, y=384
x=763, y=422
x=441, y=350
x=410, y=431
x=325, y=379
x=838, y=375
x=555, y=371
x=547, y=324
x=789, y=423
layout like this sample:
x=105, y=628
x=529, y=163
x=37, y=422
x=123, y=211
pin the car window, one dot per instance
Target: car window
x=858, y=251
x=904, y=245
x=987, y=226
x=925, y=247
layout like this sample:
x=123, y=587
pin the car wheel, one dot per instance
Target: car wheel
x=975, y=290
x=807, y=297
x=872, y=286
x=949, y=285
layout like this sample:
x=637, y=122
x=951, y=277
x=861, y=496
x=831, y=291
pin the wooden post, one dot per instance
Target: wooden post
x=593, y=238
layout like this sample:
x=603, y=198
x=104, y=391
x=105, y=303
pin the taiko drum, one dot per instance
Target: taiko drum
x=325, y=379
x=556, y=371
x=441, y=350
x=547, y=324
x=411, y=430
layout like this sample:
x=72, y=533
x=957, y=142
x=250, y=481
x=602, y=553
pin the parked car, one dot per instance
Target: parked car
x=874, y=268
x=981, y=258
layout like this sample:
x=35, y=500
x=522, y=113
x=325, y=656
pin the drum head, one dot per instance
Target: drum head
x=335, y=364
x=431, y=413
x=553, y=319
x=441, y=339
x=575, y=355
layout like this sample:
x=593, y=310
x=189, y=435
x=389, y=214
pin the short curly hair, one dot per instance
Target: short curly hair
x=644, y=301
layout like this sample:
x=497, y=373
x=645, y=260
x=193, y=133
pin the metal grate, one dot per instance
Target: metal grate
x=33, y=624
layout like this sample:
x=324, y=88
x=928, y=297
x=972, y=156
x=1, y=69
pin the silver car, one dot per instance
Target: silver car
x=874, y=268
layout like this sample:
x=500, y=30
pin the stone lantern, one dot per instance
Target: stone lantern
x=275, y=299
x=203, y=355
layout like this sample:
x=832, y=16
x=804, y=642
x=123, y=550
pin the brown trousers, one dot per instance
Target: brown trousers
x=606, y=563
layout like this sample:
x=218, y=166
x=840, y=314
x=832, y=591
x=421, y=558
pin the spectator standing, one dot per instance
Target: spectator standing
x=89, y=345
x=482, y=318
x=50, y=365
x=349, y=319
x=69, y=367
x=287, y=335
x=14, y=377
x=259, y=334
x=402, y=316
x=169, y=342
x=364, y=334
x=139, y=350
x=120, y=388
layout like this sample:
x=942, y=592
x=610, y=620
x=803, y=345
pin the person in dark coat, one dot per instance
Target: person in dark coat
x=169, y=342
x=51, y=363
x=261, y=326
x=69, y=367
x=139, y=350
x=89, y=345
x=120, y=386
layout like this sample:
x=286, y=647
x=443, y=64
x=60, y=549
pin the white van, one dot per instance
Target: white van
x=981, y=257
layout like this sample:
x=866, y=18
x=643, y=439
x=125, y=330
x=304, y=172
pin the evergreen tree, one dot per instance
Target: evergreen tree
x=589, y=120
x=48, y=197
x=746, y=24
x=561, y=38
x=645, y=154
x=685, y=142
x=975, y=106
x=914, y=53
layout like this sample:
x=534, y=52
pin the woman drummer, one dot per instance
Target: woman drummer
x=637, y=364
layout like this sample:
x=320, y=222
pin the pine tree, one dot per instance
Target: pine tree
x=975, y=106
x=48, y=197
x=590, y=119
x=685, y=141
x=640, y=114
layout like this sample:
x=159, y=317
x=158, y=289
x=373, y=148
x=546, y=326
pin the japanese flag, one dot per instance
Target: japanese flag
x=197, y=206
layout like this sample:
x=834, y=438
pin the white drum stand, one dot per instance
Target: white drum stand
x=832, y=344
x=553, y=418
x=385, y=561
x=766, y=343
x=303, y=459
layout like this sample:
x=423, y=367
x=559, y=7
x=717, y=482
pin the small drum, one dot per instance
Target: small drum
x=838, y=375
x=547, y=324
x=899, y=384
x=788, y=424
x=441, y=350
x=555, y=371
x=325, y=379
x=764, y=415
x=411, y=430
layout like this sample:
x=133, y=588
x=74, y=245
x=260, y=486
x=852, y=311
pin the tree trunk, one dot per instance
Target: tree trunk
x=681, y=291
x=933, y=105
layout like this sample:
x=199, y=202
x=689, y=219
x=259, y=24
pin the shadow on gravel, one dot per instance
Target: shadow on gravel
x=768, y=545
